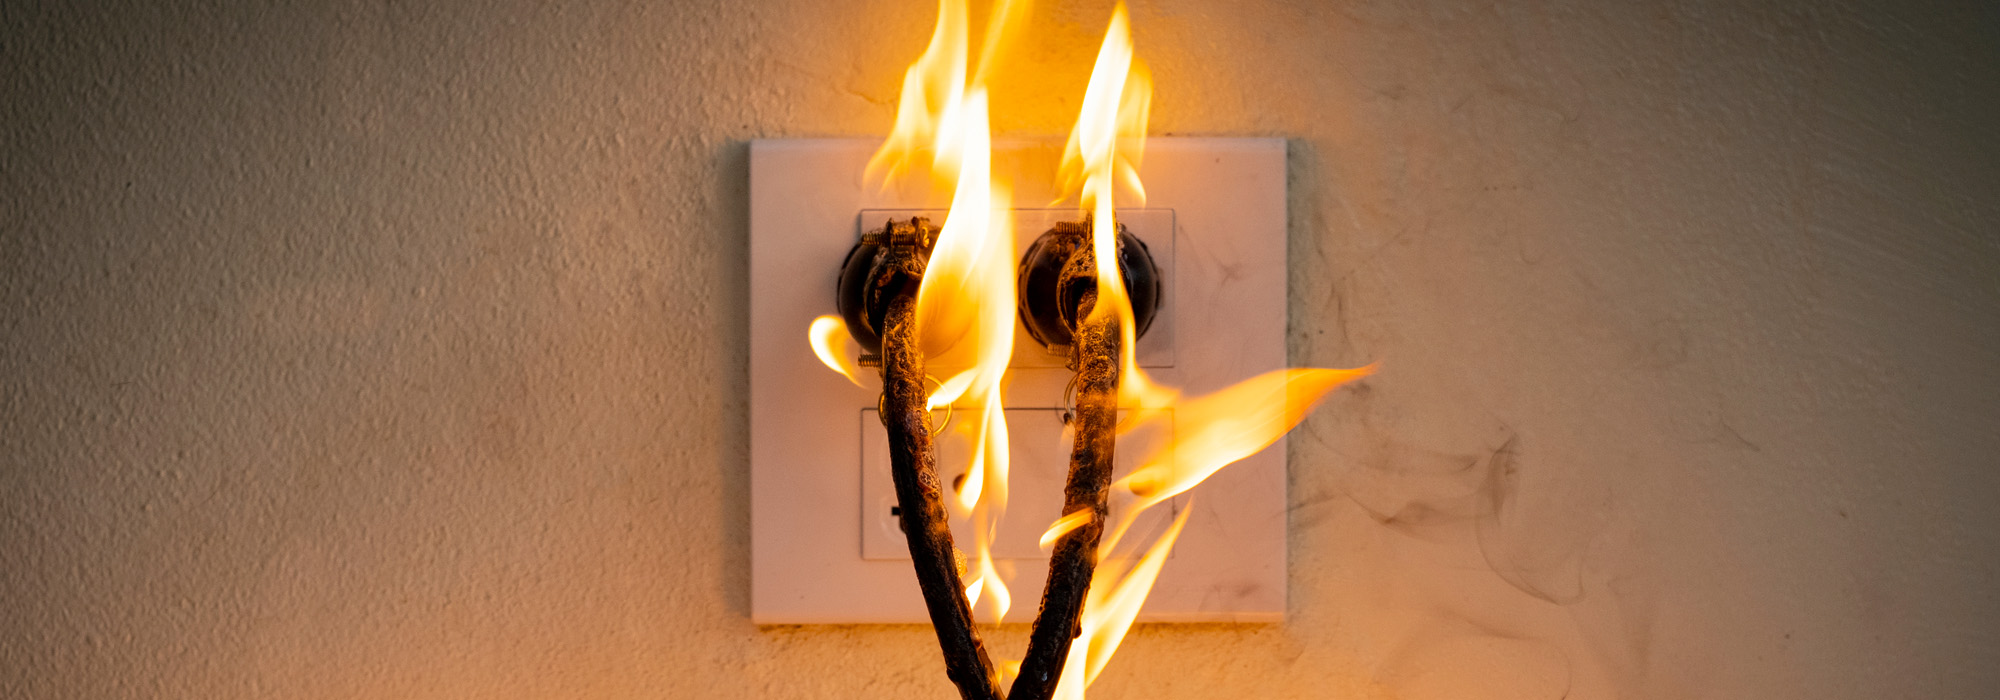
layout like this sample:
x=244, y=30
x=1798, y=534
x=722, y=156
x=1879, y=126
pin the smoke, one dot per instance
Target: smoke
x=1471, y=544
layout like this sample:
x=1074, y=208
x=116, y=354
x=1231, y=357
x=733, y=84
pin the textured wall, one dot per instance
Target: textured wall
x=395, y=350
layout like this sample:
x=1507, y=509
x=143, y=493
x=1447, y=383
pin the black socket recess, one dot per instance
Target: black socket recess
x=1048, y=301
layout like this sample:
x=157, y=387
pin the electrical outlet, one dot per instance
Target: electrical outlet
x=1216, y=207
x=1153, y=225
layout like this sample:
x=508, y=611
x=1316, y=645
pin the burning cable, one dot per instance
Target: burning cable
x=1096, y=352
x=894, y=275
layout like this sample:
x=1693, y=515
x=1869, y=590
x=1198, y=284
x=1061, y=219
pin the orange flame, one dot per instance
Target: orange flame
x=1211, y=432
x=1114, y=107
x=1109, y=609
x=933, y=90
x=935, y=95
x=1220, y=429
x=1104, y=151
x=965, y=304
x=1231, y=424
x=1063, y=525
x=835, y=348
x=966, y=313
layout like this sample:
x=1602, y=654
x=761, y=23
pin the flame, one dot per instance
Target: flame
x=1063, y=525
x=1002, y=599
x=1109, y=609
x=966, y=303
x=1104, y=151
x=966, y=314
x=1232, y=424
x=936, y=94
x=967, y=298
x=835, y=348
x=1114, y=108
x=933, y=91
x=1109, y=139
x=1212, y=431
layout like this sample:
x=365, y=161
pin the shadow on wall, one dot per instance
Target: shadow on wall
x=732, y=164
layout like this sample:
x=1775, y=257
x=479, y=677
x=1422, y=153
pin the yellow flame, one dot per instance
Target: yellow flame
x=966, y=312
x=1109, y=137
x=1002, y=600
x=935, y=94
x=1109, y=608
x=1063, y=526
x=1003, y=28
x=1114, y=110
x=835, y=348
x=1104, y=150
x=1214, y=431
x=1211, y=432
x=933, y=89
x=1110, y=133
x=1229, y=425
x=965, y=304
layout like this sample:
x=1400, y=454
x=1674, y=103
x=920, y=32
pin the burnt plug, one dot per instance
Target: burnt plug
x=866, y=283
x=1048, y=296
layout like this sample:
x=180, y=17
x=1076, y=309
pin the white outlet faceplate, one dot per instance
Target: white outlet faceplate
x=823, y=543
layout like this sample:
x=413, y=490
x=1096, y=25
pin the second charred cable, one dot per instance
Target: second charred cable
x=1096, y=354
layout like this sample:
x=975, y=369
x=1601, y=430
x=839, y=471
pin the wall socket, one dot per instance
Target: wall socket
x=820, y=551
x=1152, y=225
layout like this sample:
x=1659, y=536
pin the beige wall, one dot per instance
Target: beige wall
x=393, y=350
